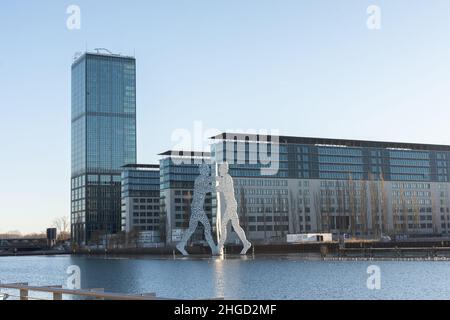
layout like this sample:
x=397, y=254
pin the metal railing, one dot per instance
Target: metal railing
x=58, y=291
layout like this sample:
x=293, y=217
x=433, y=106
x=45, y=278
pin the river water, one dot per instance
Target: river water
x=262, y=277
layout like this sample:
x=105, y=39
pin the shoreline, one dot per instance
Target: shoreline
x=331, y=251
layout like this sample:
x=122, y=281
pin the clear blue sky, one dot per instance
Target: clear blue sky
x=308, y=68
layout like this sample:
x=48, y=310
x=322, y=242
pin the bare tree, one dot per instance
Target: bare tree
x=133, y=237
x=446, y=211
x=285, y=217
x=11, y=235
x=303, y=208
x=62, y=226
x=162, y=220
x=318, y=211
x=243, y=211
x=352, y=204
x=328, y=206
x=264, y=220
x=404, y=210
x=121, y=238
x=274, y=217
x=340, y=196
x=96, y=237
x=374, y=205
x=415, y=209
x=396, y=216
x=187, y=199
x=363, y=207
x=384, y=205
x=292, y=213
x=434, y=215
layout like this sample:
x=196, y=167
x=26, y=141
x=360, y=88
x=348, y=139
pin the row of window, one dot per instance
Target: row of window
x=341, y=160
x=409, y=154
x=410, y=170
x=399, y=185
x=188, y=208
x=262, y=192
x=145, y=214
x=340, y=151
x=261, y=182
x=276, y=201
x=340, y=176
x=140, y=207
x=340, y=167
x=146, y=200
x=145, y=221
x=268, y=218
x=411, y=193
x=412, y=226
x=275, y=210
x=253, y=228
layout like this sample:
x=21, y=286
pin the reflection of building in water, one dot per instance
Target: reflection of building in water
x=140, y=200
x=364, y=188
x=179, y=169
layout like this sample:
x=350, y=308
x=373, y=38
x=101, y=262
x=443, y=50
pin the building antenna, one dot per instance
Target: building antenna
x=103, y=49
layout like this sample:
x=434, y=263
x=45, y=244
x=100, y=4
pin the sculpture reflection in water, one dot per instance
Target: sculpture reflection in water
x=225, y=186
x=203, y=184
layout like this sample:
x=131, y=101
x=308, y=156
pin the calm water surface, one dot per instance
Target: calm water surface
x=271, y=277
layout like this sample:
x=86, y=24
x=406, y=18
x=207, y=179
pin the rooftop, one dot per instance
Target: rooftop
x=100, y=52
x=180, y=153
x=330, y=142
x=141, y=166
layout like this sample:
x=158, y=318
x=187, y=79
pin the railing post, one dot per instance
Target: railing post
x=57, y=296
x=23, y=294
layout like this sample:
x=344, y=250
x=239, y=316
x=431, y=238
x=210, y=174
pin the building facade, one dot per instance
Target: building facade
x=178, y=171
x=103, y=140
x=363, y=188
x=140, y=200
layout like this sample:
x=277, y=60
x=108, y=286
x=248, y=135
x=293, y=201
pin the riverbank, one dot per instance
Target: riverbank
x=35, y=253
x=332, y=250
x=429, y=249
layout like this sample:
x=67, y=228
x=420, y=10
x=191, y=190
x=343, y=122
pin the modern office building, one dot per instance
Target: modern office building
x=178, y=171
x=363, y=188
x=140, y=199
x=283, y=185
x=103, y=140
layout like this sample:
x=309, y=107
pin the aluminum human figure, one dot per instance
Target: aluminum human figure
x=203, y=184
x=225, y=185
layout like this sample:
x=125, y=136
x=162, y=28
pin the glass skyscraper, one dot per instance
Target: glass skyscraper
x=103, y=140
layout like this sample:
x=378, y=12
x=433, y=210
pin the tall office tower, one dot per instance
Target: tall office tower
x=103, y=140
